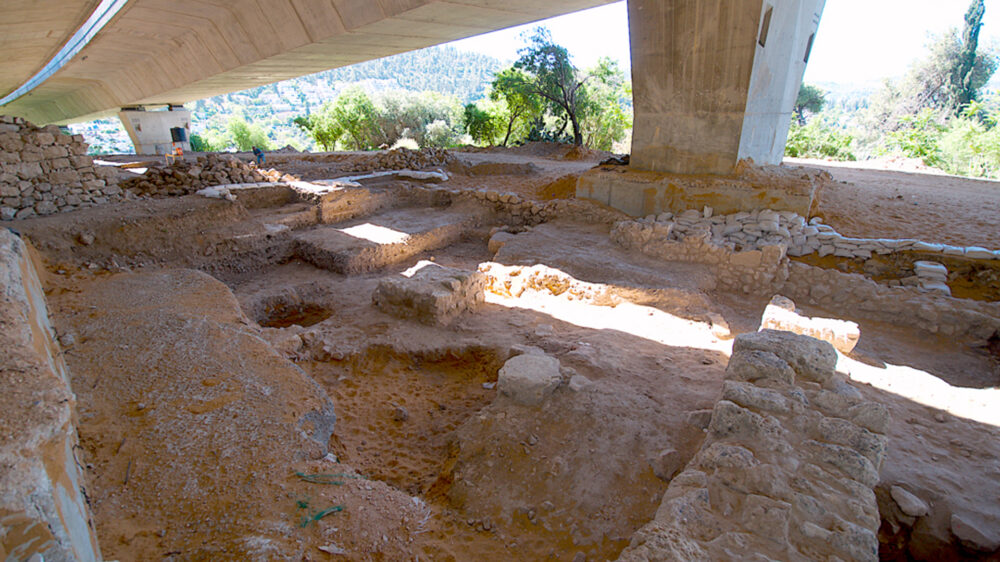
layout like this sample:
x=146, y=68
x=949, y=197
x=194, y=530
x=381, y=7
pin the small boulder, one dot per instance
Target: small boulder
x=909, y=503
x=528, y=379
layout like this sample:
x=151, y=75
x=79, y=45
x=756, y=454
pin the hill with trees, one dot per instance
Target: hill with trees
x=939, y=112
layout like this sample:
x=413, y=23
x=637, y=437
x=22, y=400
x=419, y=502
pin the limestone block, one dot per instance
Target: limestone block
x=64, y=176
x=60, y=163
x=870, y=415
x=812, y=359
x=29, y=170
x=45, y=512
x=32, y=154
x=730, y=420
x=780, y=314
x=498, y=240
x=55, y=151
x=850, y=462
x=909, y=503
x=432, y=294
x=528, y=379
x=843, y=432
x=81, y=161
x=754, y=397
x=93, y=185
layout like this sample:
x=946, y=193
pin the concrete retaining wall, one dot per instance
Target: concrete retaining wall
x=43, y=506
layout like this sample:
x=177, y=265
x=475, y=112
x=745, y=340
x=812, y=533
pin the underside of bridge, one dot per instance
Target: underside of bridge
x=715, y=81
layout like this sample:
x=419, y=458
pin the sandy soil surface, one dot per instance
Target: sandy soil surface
x=876, y=203
x=437, y=465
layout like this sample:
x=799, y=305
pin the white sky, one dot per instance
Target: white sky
x=858, y=40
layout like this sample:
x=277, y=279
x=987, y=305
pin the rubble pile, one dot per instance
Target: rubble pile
x=401, y=159
x=44, y=171
x=183, y=178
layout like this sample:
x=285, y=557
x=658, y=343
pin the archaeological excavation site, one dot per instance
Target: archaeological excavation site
x=499, y=343
x=460, y=355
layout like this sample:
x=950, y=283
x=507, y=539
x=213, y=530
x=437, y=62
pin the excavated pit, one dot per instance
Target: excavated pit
x=400, y=411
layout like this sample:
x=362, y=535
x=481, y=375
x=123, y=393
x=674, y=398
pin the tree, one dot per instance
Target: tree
x=322, y=127
x=553, y=77
x=608, y=105
x=483, y=124
x=354, y=111
x=811, y=99
x=513, y=88
x=198, y=144
x=963, y=79
x=247, y=136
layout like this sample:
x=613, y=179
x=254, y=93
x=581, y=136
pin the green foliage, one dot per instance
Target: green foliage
x=483, y=123
x=963, y=80
x=512, y=87
x=918, y=137
x=357, y=121
x=438, y=133
x=198, y=144
x=811, y=98
x=246, y=136
x=819, y=139
x=355, y=113
x=608, y=106
x=971, y=145
x=553, y=77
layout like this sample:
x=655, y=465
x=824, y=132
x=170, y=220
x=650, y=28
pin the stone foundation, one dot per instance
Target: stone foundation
x=759, y=265
x=787, y=469
x=43, y=171
x=640, y=193
x=432, y=294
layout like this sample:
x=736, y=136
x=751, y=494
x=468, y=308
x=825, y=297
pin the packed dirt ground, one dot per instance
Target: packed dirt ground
x=187, y=321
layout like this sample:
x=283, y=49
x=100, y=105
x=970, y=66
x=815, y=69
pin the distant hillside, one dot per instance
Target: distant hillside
x=446, y=70
x=441, y=69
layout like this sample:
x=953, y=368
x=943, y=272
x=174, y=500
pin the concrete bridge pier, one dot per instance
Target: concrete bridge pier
x=157, y=132
x=714, y=82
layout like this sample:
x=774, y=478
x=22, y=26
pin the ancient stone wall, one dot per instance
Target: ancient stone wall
x=787, y=469
x=43, y=171
x=931, y=311
x=43, y=507
x=750, y=253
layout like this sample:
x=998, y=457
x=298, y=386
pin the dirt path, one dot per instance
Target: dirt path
x=935, y=208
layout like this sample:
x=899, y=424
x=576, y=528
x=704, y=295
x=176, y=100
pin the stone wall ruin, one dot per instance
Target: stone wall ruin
x=44, y=171
x=787, y=469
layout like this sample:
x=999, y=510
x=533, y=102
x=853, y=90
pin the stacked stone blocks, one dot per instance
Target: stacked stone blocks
x=787, y=469
x=43, y=171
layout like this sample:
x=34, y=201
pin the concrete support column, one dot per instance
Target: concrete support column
x=715, y=81
x=150, y=130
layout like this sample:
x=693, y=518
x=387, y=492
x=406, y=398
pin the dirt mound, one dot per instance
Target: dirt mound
x=183, y=178
x=399, y=159
x=562, y=188
x=503, y=168
x=559, y=151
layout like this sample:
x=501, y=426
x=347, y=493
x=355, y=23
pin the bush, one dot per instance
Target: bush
x=819, y=139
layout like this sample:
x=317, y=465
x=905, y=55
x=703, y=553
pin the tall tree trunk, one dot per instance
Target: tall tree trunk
x=577, y=135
